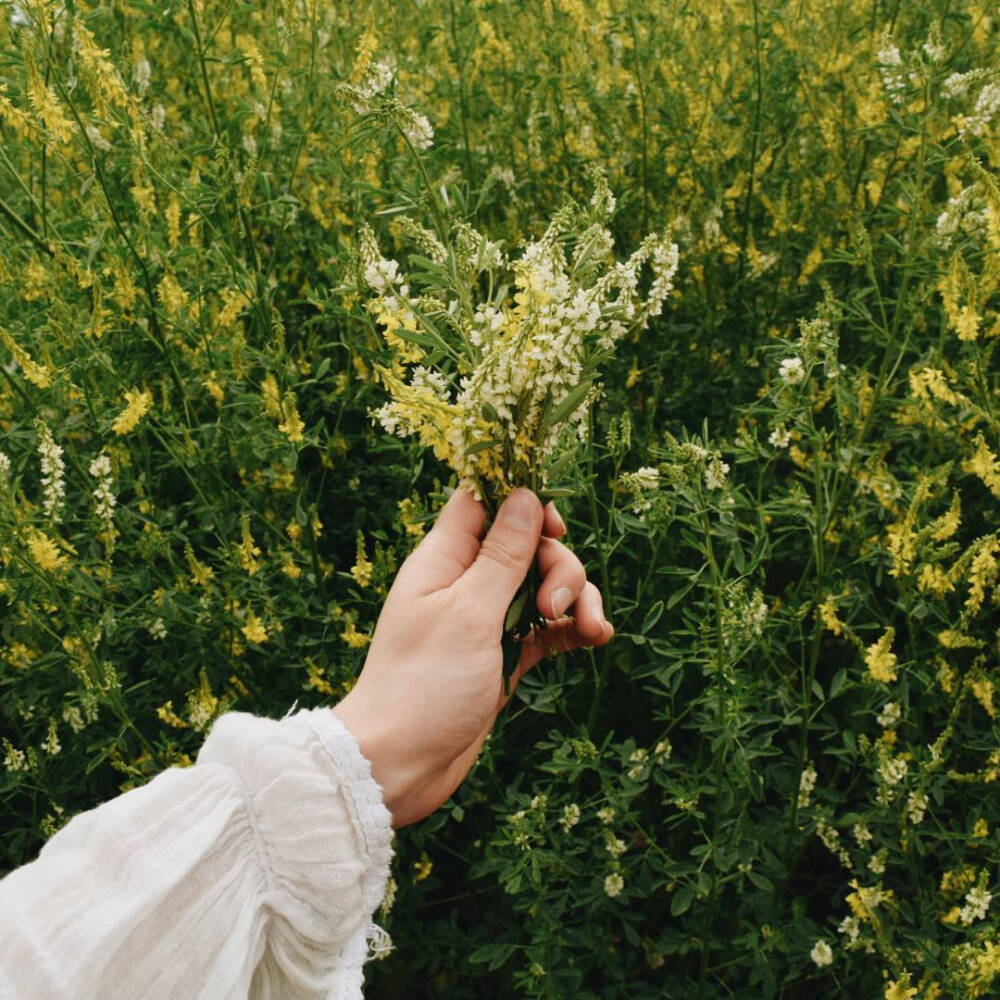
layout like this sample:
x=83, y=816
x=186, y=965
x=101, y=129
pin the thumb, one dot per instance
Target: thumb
x=507, y=551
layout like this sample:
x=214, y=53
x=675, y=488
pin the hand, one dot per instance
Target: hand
x=432, y=684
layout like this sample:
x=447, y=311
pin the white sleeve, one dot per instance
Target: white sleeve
x=253, y=873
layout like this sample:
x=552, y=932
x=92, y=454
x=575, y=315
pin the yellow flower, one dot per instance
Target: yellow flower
x=362, y=568
x=44, y=102
x=172, y=214
x=200, y=573
x=900, y=989
x=423, y=868
x=211, y=383
x=45, y=552
x=38, y=375
x=234, y=302
x=138, y=404
x=407, y=516
x=317, y=680
x=880, y=659
x=167, y=714
x=354, y=638
x=254, y=629
x=828, y=613
x=982, y=573
x=947, y=524
x=981, y=829
x=984, y=692
x=171, y=294
x=247, y=550
x=292, y=426
x=985, y=465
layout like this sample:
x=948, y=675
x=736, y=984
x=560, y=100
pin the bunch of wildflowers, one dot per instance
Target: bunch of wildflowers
x=493, y=381
x=495, y=360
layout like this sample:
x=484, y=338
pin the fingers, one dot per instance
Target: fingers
x=506, y=552
x=449, y=548
x=564, y=586
x=553, y=526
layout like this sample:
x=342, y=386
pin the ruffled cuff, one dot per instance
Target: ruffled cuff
x=324, y=839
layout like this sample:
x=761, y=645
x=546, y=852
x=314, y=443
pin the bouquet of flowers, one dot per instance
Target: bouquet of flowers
x=495, y=358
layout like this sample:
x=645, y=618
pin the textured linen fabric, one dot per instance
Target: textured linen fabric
x=253, y=873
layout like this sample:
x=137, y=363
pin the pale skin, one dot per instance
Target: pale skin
x=432, y=684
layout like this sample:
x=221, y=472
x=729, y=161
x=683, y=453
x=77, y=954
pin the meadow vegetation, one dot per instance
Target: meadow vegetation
x=781, y=777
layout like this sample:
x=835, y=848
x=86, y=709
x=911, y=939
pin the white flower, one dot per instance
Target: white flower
x=416, y=128
x=977, y=905
x=51, y=744
x=934, y=51
x=916, y=806
x=141, y=74
x=986, y=107
x=157, y=629
x=613, y=885
x=876, y=863
x=851, y=927
x=570, y=817
x=780, y=437
x=715, y=474
x=52, y=473
x=644, y=480
x=100, y=469
x=158, y=118
x=821, y=954
x=606, y=815
x=792, y=371
x=72, y=717
x=807, y=782
x=861, y=834
x=4, y=469
x=956, y=85
x=890, y=715
x=892, y=770
x=14, y=759
x=97, y=140
x=614, y=845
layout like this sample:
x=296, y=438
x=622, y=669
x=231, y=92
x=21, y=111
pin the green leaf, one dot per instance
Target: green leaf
x=475, y=449
x=652, y=617
x=839, y=680
x=681, y=900
x=567, y=406
x=514, y=611
x=680, y=593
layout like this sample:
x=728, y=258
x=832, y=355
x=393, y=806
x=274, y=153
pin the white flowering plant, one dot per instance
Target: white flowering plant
x=495, y=358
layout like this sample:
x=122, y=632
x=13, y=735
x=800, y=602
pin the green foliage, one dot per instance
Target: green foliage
x=787, y=492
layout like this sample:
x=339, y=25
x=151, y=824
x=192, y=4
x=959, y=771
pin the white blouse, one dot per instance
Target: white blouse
x=253, y=873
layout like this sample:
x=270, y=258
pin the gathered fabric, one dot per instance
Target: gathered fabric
x=254, y=873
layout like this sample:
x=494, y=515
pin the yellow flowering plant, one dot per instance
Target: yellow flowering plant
x=495, y=357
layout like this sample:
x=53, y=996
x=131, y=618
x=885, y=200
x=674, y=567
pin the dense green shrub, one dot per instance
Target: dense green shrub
x=781, y=777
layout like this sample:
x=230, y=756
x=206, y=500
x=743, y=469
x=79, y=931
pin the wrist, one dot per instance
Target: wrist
x=392, y=768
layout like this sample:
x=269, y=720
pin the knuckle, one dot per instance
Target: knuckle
x=501, y=551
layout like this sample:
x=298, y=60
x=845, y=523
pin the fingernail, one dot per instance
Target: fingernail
x=518, y=510
x=561, y=600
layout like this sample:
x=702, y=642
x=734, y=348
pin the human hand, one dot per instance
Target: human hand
x=432, y=683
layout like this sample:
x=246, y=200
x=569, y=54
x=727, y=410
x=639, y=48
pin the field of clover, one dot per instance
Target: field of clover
x=722, y=278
